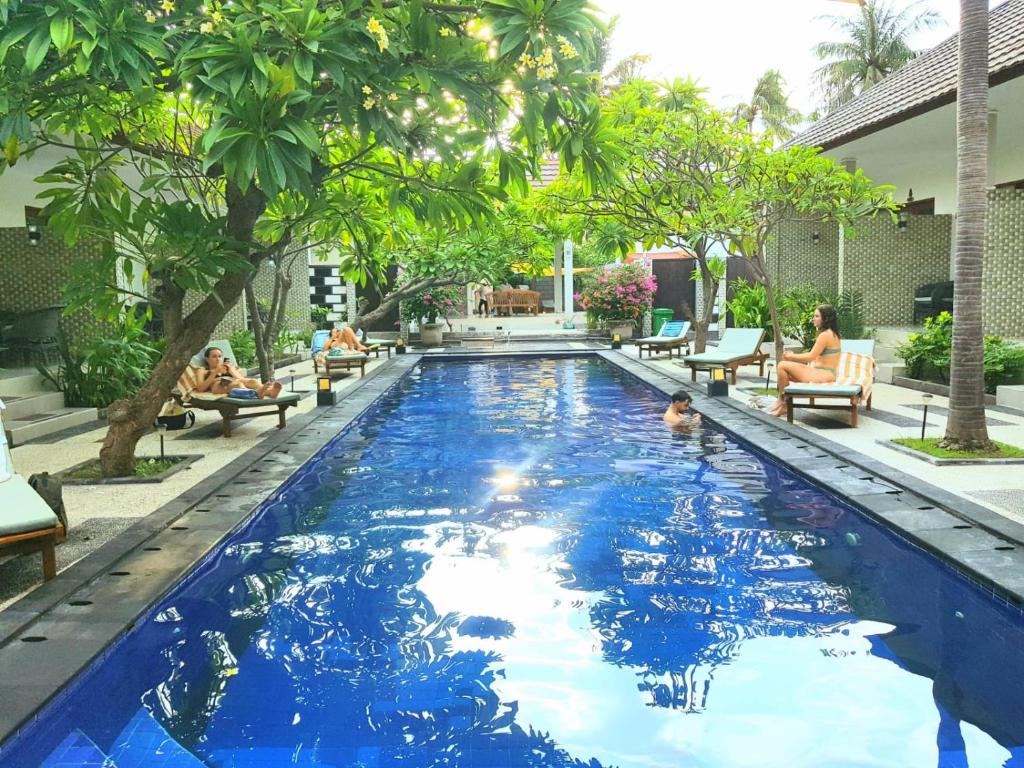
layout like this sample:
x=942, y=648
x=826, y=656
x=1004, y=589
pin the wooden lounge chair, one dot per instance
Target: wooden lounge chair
x=738, y=346
x=27, y=524
x=855, y=374
x=338, y=360
x=671, y=336
x=230, y=408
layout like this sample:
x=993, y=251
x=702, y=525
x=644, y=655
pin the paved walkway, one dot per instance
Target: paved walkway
x=97, y=513
x=897, y=412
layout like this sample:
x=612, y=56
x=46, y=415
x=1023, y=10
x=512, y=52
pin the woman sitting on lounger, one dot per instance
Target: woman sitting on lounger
x=223, y=375
x=815, y=367
x=343, y=338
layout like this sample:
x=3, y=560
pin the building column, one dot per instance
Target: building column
x=567, y=291
x=556, y=268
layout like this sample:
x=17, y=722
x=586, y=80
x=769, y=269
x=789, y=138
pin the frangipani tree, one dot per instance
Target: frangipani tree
x=187, y=123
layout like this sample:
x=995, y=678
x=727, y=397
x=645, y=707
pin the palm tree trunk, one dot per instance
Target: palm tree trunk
x=966, y=428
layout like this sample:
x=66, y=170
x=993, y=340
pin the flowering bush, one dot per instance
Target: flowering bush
x=621, y=293
x=429, y=305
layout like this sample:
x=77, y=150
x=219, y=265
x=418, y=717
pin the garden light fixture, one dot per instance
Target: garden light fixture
x=768, y=378
x=717, y=385
x=399, y=346
x=926, y=400
x=616, y=341
x=160, y=430
x=324, y=394
x=291, y=384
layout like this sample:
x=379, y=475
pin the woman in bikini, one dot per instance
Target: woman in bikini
x=817, y=366
x=343, y=338
x=223, y=375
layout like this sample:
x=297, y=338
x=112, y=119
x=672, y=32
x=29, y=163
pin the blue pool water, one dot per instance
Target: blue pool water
x=516, y=564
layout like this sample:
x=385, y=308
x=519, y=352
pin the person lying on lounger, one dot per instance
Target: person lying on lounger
x=222, y=375
x=340, y=338
x=815, y=367
x=677, y=415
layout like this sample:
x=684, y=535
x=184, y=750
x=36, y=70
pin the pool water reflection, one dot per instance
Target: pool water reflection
x=516, y=564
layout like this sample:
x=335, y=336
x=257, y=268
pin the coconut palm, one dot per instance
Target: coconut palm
x=966, y=428
x=876, y=43
x=770, y=104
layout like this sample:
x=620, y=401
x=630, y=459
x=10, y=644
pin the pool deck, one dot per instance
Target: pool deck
x=144, y=538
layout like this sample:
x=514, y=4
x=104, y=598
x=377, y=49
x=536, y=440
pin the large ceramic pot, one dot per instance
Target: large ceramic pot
x=431, y=334
x=622, y=327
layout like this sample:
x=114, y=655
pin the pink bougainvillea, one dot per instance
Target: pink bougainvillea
x=625, y=292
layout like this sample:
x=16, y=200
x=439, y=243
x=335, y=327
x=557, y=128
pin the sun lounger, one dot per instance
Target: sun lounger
x=27, y=524
x=671, y=336
x=855, y=374
x=338, y=359
x=230, y=408
x=738, y=346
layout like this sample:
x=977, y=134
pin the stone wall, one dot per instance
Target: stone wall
x=32, y=277
x=886, y=265
x=796, y=258
x=1003, y=281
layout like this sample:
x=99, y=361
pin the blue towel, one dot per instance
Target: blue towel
x=242, y=393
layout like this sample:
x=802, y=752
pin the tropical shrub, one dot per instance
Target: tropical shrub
x=429, y=305
x=927, y=355
x=622, y=293
x=749, y=306
x=318, y=314
x=244, y=346
x=796, y=313
x=105, y=368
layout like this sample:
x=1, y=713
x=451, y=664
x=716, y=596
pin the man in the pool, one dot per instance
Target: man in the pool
x=677, y=415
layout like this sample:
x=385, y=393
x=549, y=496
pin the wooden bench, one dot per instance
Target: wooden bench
x=511, y=301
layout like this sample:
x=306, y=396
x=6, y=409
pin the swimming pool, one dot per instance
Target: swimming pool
x=511, y=563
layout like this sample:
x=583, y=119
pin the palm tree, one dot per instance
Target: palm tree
x=770, y=103
x=875, y=44
x=965, y=429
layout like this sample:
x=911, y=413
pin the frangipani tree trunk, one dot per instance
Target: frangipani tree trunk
x=965, y=429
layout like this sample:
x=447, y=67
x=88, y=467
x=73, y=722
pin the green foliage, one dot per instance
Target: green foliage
x=749, y=306
x=318, y=314
x=427, y=306
x=622, y=293
x=930, y=445
x=287, y=343
x=927, y=355
x=104, y=368
x=144, y=467
x=796, y=313
x=244, y=346
x=1004, y=363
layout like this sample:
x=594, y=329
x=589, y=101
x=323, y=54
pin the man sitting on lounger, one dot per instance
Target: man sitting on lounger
x=677, y=415
x=222, y=375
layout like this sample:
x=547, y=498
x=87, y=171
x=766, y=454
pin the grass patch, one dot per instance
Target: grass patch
x=769, y=391
x=143, y=468
x=930, y=446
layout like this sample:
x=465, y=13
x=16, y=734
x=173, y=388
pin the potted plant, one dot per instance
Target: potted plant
x=619, y=296
x=426, y=307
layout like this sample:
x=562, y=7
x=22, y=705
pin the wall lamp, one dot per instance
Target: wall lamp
x=901, y=222
x=815, y=237
x=34, y=235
